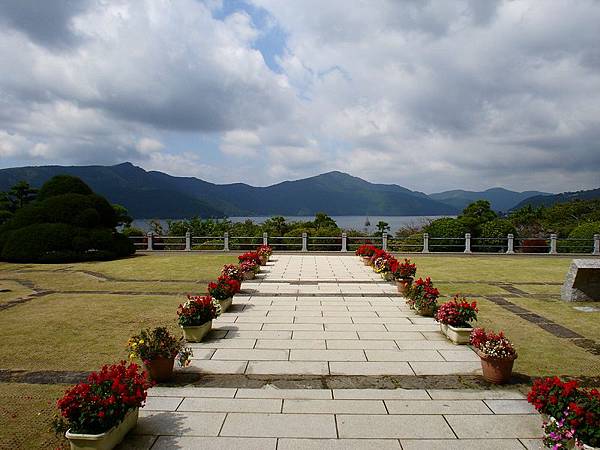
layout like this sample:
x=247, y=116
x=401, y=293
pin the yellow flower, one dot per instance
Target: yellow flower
x=132, y=356
x=141, y=341
x=134, y=344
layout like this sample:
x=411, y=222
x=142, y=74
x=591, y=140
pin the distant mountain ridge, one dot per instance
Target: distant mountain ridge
x=152, y=194
x=547, y=200
x=501, y=199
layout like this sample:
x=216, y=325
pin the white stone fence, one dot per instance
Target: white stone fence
x=343, y=243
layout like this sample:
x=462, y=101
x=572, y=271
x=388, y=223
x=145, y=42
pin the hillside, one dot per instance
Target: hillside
x=151, y=194
x=548, y=200
x=501, y=199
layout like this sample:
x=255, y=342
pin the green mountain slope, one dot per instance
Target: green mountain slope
x=548, y=200
x=500, y=198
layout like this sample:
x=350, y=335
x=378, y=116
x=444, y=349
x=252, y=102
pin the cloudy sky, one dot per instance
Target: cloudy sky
x=431, y=95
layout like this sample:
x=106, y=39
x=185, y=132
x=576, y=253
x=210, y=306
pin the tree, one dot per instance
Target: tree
x=476, y=214
x=276, y=225
x=322, y=220
x=21, y=194
x=382, y=227
x=123, y=217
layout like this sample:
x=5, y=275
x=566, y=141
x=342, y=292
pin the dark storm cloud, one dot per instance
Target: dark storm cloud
x=46, y=22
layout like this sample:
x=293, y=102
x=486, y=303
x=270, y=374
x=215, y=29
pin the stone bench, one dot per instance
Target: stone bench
x=582, y=283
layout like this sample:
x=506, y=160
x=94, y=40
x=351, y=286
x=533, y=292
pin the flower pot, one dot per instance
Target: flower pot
x=366, y=261
x=443, y=328
x=403, y=285
x=425, y=312
x=263, y=260
x=249, y=275
x=225, y=304
x=459, y=336
x=588, y=447
x=496, y=370
x=387, y=276
x=197, y=333
x=107, y=440
x=160, y=369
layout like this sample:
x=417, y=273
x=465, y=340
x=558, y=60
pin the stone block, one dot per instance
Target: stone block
x=582, y=283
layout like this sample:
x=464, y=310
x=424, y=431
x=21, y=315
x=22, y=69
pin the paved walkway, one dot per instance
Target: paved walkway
x=329, y=315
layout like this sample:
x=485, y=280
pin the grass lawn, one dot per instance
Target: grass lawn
x=73, y=331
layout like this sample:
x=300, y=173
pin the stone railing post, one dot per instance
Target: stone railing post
x=425, y=242
x=467, y=242
x=304, y=242
x=150, y=239
x=226, y=242
x=596, y=245
x=265, y=238
x=188, y=241
x=553, y=244
x=511, y=244
x=384, y=238
x=344, y=242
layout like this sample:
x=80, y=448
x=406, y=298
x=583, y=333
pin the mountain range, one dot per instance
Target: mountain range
x=153, y=194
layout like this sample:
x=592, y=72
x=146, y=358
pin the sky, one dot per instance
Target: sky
x=430, y=95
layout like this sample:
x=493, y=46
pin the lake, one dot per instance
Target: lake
x=346, y=222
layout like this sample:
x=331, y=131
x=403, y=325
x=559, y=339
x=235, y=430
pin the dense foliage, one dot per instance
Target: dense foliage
x=65, y=222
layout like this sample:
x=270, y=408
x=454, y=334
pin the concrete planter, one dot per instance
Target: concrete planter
x=197, y=333
x=107, y=440
x=443, y=328
x=225, y=304
x=458, y=336
x=403, y=285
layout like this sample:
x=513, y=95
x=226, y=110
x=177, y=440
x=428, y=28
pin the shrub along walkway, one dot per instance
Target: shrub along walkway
x=326, y=316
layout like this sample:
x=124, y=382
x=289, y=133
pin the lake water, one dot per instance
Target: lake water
x=346, y=222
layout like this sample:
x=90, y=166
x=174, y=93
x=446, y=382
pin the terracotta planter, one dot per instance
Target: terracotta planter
x=404, y=285
x=197, y=333
x=160, y=369
x=458, y=336
x=387, y=276
x=496, y=370
x=249, y=275
x=225, y=304
x=425, y=312
x=263, y=260
x=366, y=261
x=107, y=440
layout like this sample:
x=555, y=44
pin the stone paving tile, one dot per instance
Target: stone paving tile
x=239, y=326
x=445, y=368
x=346, y=344
x=403, y=355
x=203, y=353
x=214, y=366
x=280, y=425
x=511, y=406
x=260, y=334
x=370, y=368
x=532, y=444
x=380, y=426
x=466, y=354
x=475, y=394
x=338, y=444
x=334, y=406
x=462, y=444
x=381, y=394
x=288, y=368
x=526, y=426
x=271, y=392
x=433, y=336
x=223, y=343
x=162, y=403
x=355, y=327
x=424, y=345
x=327, y=355
x=316, y=344
x=230, y=404
x=213, y=443
x=235, y=354
x=294, y=327
x=325, y=335
x=159, y=391
x=179, y=423
x=394, y=335
x=437, y=407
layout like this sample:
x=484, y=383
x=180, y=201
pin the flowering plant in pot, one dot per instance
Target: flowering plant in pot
x=232, y=271
x=565, y=402
x=365, y=251
x=158, y=350
x=422, y=297
x=224, y=290
x=195, y=316
x=455, y=319
x=377, y=253
x=249, y=256
x=249, y=269
x=99, y=412
x=497, y=355
x=264, y=253
x=403, y=273
x=382, y=266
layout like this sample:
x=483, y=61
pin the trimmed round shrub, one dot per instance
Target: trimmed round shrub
x=446, y=235
x=585, y=232
x=494, y=234
x=63, y=184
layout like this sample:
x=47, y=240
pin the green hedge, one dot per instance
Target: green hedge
x=446, y=228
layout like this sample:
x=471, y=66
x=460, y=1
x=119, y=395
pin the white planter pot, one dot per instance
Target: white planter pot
x=225, y=304
x=443, y=328
x=197, y=333
x=459, y=336
x=107, y=440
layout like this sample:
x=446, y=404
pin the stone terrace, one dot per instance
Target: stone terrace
x=329, y=315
